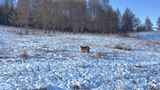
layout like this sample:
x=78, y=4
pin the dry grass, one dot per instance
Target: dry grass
x=24, y=55
x=151, y=43
x=99, y=55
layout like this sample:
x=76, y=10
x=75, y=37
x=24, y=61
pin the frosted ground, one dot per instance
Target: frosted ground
x=55, y=61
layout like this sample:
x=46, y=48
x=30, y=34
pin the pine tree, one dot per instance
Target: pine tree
x=137, y=23
x=148, y=24
x=158, y=24
x=119, y=20
x=5, y=9
x=128, y=21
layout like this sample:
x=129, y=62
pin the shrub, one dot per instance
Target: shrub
x=76, y=85
x=123, y=47
x=152, y=85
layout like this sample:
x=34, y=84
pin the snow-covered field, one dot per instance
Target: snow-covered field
x=55, y=61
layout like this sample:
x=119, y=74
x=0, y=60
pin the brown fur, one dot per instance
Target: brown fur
x=84, y=49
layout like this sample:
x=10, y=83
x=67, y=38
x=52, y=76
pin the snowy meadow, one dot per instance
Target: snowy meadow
x=54, y=61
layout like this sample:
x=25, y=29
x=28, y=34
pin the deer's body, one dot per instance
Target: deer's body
x=84, y=49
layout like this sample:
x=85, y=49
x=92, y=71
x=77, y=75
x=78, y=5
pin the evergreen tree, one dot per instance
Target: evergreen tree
x=148, y=24
x=119, y=20
x=5, y=10
x=140, y=28
x=128, y=21
x=137, y=23
x=158, y=24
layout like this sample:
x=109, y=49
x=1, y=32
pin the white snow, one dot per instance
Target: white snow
x=55, y=61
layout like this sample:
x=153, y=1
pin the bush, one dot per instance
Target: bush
x=123, y=47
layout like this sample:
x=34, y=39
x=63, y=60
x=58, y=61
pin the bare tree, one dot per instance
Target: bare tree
x=22, y=18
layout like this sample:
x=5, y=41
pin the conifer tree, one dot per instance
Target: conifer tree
x=148, y=24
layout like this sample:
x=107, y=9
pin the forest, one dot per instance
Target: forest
x=91, y=16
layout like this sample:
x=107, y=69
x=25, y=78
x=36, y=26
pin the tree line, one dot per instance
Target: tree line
x=71, y=16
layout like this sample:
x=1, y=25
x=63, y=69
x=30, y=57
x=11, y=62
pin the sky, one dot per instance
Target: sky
x=141, y=8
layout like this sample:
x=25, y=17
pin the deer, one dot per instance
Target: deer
x=85, y=49
x=24, y=55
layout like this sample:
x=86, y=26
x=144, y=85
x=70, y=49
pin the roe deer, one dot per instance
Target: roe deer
x=84, y=49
